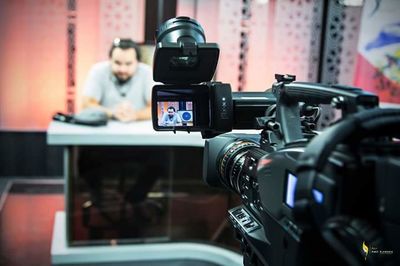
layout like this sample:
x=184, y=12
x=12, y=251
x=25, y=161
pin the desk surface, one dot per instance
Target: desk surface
x=117, y=133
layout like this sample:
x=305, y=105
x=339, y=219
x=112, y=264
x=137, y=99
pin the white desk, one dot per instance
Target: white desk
x=116, y=133
x=120, y=134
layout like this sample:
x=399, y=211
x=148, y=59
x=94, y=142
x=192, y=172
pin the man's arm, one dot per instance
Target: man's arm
x=92, y=90
x=124, y=112
x=121, y=112
x=92, y=102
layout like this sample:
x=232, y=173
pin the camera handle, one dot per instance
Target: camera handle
x=289, y=93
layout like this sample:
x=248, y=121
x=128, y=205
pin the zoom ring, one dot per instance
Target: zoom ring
x=230, y=161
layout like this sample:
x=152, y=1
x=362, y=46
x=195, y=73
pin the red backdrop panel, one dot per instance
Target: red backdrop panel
x=33, y=58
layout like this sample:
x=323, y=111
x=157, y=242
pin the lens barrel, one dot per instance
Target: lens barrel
x=231, y=160
x=179, y=30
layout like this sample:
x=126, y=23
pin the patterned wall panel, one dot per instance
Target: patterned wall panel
x=259, y=47
x=229, y=41
x=87, y=43
x=274, y=37
x=71, y=56
x=187, y=8
x=341, y=39
x=339, y=51
x=351, y=18
x=295, y=38
x=120, y=18
x=206, y=12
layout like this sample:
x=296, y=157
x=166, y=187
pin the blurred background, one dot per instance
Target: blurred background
x=48, y=46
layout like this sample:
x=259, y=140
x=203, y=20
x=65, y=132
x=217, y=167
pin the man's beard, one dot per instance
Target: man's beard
x=122, y=81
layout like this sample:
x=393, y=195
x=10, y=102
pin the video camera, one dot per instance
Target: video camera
x=309, y=197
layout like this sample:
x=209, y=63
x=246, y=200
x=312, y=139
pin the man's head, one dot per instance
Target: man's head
x=124, y=56
x=171, y=111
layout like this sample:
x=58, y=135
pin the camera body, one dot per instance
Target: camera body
x=183, y=60
x=308, y=197
x=349, y=193
x=194, y=99
x=186, y=64
x=273, y=224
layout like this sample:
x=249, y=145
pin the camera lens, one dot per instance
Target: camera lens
x=180, y=30
x=231, y=162
x=182, y=55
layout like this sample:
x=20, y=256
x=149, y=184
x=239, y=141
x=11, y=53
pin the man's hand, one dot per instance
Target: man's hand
x=124, y=112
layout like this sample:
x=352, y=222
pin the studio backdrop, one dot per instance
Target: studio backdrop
x=48, y=46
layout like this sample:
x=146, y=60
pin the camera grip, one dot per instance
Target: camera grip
x=348, y=99
x=323, y=94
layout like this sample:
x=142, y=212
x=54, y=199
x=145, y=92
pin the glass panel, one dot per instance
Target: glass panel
x=143, y=194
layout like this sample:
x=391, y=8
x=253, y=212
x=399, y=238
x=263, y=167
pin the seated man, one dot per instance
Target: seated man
x=122, y=85
x=171, y=118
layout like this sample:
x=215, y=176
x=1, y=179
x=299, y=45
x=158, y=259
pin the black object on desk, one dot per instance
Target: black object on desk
x=88, y=117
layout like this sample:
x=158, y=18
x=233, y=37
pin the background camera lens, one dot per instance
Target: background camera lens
x=231, y=160
x=180, y=30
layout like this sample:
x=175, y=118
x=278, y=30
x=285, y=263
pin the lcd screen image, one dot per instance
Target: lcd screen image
x=175, y=113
